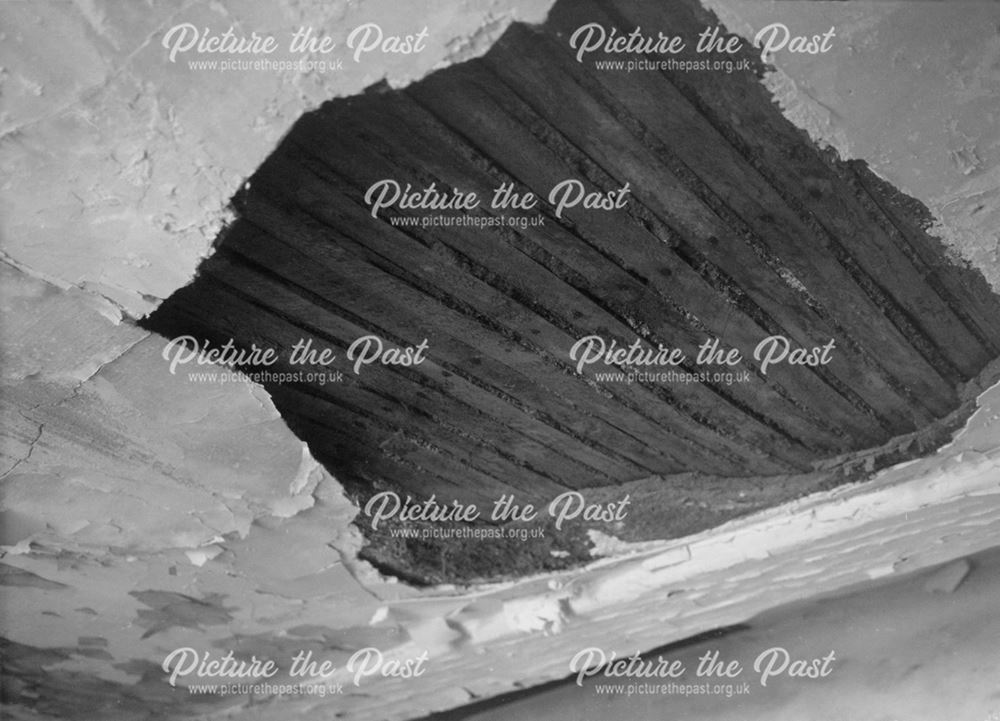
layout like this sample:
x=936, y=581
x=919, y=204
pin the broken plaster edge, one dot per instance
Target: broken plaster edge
x=909, y=518
x=538, y=604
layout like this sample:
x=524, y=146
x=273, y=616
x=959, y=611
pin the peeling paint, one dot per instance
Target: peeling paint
x=157, y=513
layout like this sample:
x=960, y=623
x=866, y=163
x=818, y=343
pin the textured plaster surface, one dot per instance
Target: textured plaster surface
x=142, y=512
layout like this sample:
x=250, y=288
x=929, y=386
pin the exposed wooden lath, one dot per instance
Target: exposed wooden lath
x=738, y=227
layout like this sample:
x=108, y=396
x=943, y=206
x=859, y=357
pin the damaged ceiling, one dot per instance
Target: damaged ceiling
x=764, y=236
x=142, y=513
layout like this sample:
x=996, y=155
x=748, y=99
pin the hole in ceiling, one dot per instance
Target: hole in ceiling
x=451, y=329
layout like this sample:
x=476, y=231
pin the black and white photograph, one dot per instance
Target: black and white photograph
x=478, y=360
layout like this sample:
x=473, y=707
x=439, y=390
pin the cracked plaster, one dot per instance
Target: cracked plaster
x=156, y=513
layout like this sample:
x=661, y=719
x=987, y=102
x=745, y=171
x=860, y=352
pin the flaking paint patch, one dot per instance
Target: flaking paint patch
x=168, y=609
x=13, y=576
